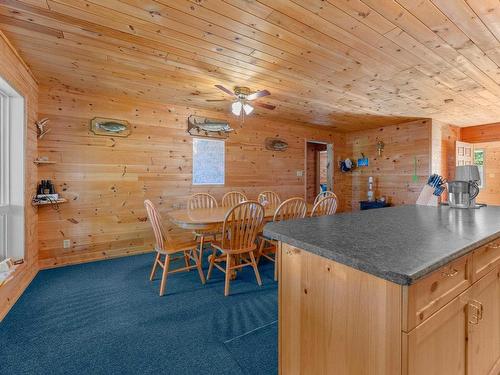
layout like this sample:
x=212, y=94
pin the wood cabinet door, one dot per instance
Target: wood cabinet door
x=439, y=345
x=484, y=326
x=334, y=319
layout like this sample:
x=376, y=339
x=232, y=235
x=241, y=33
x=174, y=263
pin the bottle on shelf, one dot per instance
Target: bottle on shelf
x=370, y=189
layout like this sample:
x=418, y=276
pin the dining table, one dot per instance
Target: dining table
x=199, y=219
x=208, y=219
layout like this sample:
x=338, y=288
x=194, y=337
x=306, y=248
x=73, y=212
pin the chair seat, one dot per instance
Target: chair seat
x=218, y=245
x=175, y=247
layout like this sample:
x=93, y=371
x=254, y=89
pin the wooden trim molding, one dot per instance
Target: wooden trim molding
x=481, y=133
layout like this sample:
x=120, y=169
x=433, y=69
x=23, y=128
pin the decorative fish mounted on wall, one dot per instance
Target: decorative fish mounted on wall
x=208, y=127
x=276, y=144
x=110, y=127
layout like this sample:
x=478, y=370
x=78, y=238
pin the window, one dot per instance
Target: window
x=208, y=162
x=12, y=135
x=479, y=161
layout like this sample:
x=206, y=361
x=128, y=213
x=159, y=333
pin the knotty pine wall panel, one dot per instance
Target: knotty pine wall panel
x=106, y=179
x=490, y=193
x=14, y=71
x=481, y=133
x=393, y=170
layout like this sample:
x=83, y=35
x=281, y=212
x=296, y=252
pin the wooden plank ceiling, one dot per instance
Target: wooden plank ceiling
x=344, y=63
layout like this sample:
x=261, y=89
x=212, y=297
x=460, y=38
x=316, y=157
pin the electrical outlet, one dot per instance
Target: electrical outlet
x=66, y=244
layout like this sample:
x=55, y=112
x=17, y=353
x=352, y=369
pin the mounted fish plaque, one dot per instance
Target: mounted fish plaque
x=208, y=127
x=276, y=144
x=110, y=127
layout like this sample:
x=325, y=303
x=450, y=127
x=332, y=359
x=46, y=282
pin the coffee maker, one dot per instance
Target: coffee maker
x=462, y=192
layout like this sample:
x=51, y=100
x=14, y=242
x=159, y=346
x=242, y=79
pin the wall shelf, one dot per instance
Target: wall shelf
x=15, y=269
x=48, y=203
x=38, y=162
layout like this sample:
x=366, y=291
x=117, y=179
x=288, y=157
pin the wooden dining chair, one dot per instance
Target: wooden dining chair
x=165, y=246
x=203, y=200
x=325, y=206
x=293, y=208
x=233, y=198
x=323, y=194
x=237, y=246
x=269, y=198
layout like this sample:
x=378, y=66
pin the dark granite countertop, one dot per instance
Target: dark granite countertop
x=400, y=244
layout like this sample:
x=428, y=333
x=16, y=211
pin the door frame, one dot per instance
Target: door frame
x=330, y=157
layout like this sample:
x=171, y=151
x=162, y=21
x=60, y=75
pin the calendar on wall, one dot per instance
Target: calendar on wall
x=208, y=161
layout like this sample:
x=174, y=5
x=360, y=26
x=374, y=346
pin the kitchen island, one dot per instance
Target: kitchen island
x=405, y=290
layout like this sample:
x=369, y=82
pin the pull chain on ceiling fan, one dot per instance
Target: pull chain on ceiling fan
x=242, y=96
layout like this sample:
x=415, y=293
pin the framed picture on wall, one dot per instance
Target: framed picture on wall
x=208, y=161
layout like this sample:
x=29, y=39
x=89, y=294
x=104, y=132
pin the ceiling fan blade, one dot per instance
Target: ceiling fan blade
x=258, y=94
x=264, y=105
x=227, y=91
x=215, y=100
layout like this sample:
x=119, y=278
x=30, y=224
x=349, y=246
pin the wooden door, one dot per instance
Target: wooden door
x=439, y=345
x=464, y=153
x=484, y=329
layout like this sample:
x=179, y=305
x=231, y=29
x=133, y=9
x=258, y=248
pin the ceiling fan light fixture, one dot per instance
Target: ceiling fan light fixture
x=247, y=108
x=236, y=108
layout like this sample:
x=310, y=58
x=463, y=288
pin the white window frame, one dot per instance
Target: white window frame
x=481, y=167
x=12, y=151
x=203, y=161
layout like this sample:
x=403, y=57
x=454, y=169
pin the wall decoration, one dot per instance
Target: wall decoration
x=363, y=161
x=110, y=127
x=40, y=127
x=208, y=161
x=380, y=147
x=208, y=127
x=276, y=144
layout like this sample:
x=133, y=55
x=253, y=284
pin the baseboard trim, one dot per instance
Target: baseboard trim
x=50, y=263
x=11, y=292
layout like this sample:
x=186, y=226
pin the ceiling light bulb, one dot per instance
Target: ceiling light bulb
x=236, y=108
x=247, y=108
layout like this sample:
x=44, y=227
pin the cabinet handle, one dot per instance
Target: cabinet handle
x=477, y=316
x=450, y=273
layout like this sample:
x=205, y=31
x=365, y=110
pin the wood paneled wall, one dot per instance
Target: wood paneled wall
x=393, y=170
x=106, y=179
x=490, y=193
x=481, y=133
x=444, y=137
x=13, y=70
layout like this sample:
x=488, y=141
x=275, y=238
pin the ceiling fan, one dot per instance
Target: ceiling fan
x=242, y=96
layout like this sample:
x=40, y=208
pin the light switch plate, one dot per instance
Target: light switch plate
x=66, y=244
x=300, y=173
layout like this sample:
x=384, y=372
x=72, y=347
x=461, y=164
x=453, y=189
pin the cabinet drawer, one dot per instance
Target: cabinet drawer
x=428, y=295
x=485, y=258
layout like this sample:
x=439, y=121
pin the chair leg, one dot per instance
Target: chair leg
x=155, y=264
x=228, y=275
x=255, y=269
x=211, y=267
x=261, y=249
x=202, y=241
x=166, y=266
x=198, y=266
x=186, y=260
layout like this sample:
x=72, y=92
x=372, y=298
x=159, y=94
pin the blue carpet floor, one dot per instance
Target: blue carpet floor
x=107, y=318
